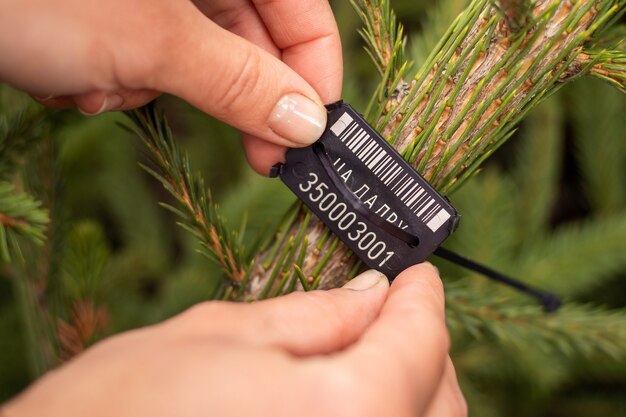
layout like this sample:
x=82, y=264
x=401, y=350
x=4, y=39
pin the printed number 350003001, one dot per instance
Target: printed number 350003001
x=345, y=219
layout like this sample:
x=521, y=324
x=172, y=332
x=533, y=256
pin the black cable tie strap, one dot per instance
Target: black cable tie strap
x=549, y=301
x=375, y=202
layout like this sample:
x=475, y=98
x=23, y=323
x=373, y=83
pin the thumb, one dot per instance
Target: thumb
x=317, y=322
x=241, y=84
x=302, y=323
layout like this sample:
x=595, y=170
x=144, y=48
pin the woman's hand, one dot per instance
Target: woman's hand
x=265, y=67
x=363, y=350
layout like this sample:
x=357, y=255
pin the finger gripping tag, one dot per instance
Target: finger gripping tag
x=368, y=195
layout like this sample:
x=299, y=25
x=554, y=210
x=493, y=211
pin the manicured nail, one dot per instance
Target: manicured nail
x=366, y=280
x=110, y=102
x=298, y=119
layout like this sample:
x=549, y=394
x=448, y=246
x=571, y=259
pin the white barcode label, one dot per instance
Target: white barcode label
x=439, y=219
x=386, y=169
x=340, y=125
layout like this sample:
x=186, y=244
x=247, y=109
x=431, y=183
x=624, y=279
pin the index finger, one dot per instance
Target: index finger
x=404, y=352
x=307, y=34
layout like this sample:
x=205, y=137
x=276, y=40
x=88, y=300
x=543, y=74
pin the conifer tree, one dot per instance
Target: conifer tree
x=447, y=103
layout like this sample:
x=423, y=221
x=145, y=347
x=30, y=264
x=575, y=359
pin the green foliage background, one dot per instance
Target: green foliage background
x=549, y=208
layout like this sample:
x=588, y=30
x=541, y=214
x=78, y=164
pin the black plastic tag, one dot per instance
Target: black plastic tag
x=368, y=195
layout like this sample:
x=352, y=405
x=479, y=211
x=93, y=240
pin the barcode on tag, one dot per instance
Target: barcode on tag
x=400, y=182
x=367, y=194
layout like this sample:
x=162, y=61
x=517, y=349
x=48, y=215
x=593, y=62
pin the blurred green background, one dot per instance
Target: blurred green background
x=558, y=185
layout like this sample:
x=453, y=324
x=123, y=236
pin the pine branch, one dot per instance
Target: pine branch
x=84, y=269
x=383, y=35
x=84, y=263
x=465, y=101
x=20, y=215
x=385, y=44
x=483, y=79
x=577, y=258
x=574, y=330
x=198, y=214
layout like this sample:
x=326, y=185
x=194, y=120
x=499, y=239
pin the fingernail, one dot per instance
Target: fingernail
x=44, y=98
x=366, y=280
x=298, y=119
x=110, y=102
x=432, y=266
